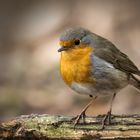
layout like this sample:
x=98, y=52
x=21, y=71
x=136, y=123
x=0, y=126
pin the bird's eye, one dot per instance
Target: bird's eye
x=77, y=42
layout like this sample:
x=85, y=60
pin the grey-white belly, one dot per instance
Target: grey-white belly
x=108, y=79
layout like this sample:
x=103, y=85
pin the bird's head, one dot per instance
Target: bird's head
x=75, y=40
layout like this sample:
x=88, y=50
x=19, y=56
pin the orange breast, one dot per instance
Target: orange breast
x=76, y=65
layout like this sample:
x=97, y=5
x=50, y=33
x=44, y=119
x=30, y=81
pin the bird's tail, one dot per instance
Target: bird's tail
x=135, y=82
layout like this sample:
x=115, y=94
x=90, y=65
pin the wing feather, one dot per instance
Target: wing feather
x=106, y=50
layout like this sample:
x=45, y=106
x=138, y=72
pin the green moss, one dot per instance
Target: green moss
x=59, y=132
x=59, y=126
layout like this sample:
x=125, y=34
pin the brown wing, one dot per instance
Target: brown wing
x=125, y=64
x=108, y=51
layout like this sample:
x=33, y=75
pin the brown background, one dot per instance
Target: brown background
x=30, y=81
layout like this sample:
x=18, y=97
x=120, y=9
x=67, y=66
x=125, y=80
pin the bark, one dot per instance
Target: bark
x=61, y=127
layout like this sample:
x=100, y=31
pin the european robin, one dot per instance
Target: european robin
x=92, y=65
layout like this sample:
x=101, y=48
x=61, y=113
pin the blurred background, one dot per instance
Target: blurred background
x=30, y=80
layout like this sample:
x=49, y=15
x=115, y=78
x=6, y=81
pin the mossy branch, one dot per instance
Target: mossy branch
x=61, y=127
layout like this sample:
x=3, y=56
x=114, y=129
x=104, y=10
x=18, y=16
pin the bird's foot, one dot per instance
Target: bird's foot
x=82, y=115
x=106, y=120
x=77, y=119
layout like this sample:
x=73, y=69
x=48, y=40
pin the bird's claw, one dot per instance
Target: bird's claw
x=76, y=119
x=106, y=120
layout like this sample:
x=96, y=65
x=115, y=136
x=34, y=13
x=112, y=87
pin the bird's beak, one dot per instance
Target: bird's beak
x=63, y=48
x=65, y=45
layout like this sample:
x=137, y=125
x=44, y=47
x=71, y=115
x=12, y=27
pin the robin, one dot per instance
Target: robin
x=92, y=65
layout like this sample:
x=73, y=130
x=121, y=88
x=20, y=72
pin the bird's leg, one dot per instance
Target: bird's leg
x=82, y=114
x=107, y=117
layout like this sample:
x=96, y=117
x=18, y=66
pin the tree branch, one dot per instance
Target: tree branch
x=61, y=127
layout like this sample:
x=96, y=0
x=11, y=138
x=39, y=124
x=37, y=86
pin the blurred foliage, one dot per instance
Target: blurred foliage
x=30, y=81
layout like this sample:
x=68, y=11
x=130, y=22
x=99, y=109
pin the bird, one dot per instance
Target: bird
x=92, y=65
